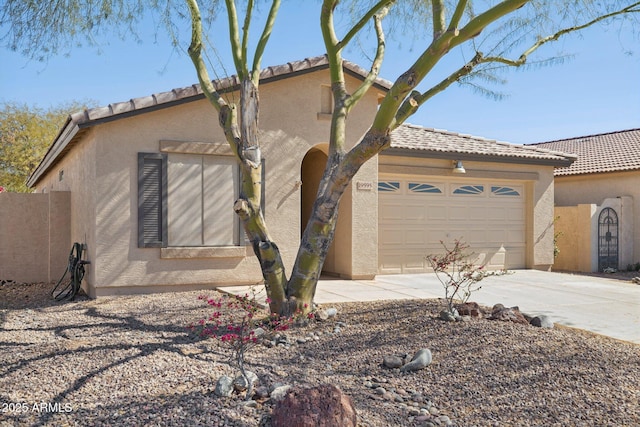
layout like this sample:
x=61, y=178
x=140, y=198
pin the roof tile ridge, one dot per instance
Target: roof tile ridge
x=548, y=151
x=577, y=138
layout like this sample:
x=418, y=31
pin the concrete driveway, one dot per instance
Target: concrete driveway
x=605, y=306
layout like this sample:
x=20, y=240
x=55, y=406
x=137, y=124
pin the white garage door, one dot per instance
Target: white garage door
x=415, y=214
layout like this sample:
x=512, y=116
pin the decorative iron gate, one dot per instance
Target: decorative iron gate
x=607, y=239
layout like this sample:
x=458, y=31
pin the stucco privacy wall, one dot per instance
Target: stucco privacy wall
x=537, y=181
x=34, y=236
x=102, y=171
x=577, y=228
x=573, y=229
x=575, y=190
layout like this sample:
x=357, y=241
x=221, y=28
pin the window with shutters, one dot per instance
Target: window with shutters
x=186, y=200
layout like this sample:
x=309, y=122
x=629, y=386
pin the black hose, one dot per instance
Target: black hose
x=75, y=268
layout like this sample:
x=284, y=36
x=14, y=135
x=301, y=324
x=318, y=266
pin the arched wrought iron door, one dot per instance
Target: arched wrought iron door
x=607, y=239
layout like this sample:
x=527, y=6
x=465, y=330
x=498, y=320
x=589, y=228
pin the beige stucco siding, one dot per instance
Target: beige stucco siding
x=34, y=236
x=595, y=188
x=76, y=173
x=101, y=173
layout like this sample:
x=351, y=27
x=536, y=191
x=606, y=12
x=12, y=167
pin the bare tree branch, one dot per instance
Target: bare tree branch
x=375, y=9
x=633, y=8
x=457, y=16
x=245, y=31
x=416, y=99
x=480, y=22
x=195, y=53
x=234, y=38
x=438, y=12
x=375, y=66
x=262, y=43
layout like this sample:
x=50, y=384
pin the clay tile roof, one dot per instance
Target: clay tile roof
x=607, y=152
x=158, y=100
x=442, y=143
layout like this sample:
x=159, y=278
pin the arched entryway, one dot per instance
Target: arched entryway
x=311, y=171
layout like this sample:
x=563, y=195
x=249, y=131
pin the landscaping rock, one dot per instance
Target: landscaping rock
x=321, y=406
x=542, y=322
x=224, y=386
x=469, y=309
x=506, y=314
x=392, y=361
x=279, y=392
x=325, y=314
x=420, y=360
x=449, y=316
x=240, y=383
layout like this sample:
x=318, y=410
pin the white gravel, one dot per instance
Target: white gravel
x=130, y=361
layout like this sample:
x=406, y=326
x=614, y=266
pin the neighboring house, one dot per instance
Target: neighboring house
x=166, y=153
x=598, y=201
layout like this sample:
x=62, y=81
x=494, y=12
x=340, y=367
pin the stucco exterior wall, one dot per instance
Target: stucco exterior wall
x=578, y=234
x=595, y=188
x=101, y=174
x=573, y=223
x=76, y=174
x=34, y=236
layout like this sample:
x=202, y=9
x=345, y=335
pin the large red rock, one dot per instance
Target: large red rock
x=469, y=309
x=321, y=406
x=507, y=314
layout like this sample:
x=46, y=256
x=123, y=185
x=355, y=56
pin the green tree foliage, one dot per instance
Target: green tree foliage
x=25, y=135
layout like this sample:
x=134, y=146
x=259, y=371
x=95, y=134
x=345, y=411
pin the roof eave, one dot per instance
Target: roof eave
x=452, y=155
x=66, y=135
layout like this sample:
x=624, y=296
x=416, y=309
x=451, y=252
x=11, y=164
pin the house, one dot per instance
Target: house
x=397, y=209
x=598, y=201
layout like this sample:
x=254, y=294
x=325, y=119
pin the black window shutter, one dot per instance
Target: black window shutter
x=152, y=200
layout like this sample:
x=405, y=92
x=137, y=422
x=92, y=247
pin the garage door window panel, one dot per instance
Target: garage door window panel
x=504, y=191
x=469, y=190
x=424, y=188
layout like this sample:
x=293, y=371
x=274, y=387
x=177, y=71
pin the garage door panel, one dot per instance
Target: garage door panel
x=414, y=212
x=415, y=236
x=391, y=237
x=515, y=236
x=436, y=212
x=458, y=213
x=515, y=258
x=412, y=222
x=389, y=211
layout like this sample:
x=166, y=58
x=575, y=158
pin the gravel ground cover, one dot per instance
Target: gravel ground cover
x=131, y=361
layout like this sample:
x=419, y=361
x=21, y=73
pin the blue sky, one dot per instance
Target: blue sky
x=596, y=91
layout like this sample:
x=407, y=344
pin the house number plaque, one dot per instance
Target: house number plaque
x=364, y=186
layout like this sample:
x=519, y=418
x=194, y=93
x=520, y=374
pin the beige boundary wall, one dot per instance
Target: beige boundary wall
x=576, y=229
x=34, y=236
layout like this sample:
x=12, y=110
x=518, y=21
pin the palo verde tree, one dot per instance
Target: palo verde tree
x=491, y=34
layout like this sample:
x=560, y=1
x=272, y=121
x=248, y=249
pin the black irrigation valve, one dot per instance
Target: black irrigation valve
x=67, y=290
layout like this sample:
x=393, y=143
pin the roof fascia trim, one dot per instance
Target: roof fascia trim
x=450, y=155
x=66, y=136
x=228, y=89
